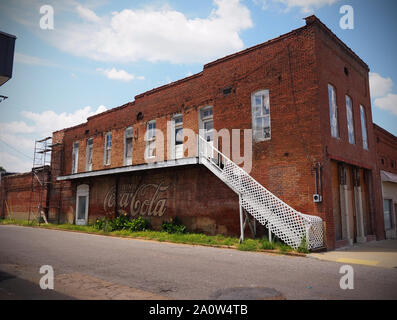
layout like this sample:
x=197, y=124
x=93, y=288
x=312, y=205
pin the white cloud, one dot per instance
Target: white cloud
x=87, y=14
x=306, y=6
x=381, y=90
x=19, y=136
x=155, y=34
x=388, y=103
x=49, y=121
x=27, y=59
x=122, y=75
x=16, y=127
x=379, y=86
x=14, y=163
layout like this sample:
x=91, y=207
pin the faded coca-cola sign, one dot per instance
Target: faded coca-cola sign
x=147, y=199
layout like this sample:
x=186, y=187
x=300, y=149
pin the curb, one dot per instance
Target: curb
x=276, y=252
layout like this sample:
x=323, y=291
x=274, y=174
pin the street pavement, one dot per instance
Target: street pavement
x=100, y=267
x=381, y=254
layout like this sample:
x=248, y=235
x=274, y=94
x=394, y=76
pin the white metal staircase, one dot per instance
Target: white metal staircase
x=286, y=223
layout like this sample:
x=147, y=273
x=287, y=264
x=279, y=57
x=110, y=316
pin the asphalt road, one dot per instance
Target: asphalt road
x=100, y=267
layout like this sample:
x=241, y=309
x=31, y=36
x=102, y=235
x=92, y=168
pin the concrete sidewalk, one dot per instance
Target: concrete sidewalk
x=376, y=253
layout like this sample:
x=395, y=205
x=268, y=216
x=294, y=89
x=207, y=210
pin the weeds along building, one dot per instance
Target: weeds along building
x=305, y=95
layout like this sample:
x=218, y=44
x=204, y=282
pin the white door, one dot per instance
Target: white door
x=207, y=130
x=82, y=200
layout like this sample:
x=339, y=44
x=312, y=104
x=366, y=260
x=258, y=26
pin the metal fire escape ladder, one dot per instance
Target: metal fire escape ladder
x=38, y=203
x=278, y=217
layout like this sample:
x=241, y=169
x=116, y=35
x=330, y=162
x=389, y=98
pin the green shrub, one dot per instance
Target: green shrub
x=121, y=223
x=138, y=224
x=173, y=226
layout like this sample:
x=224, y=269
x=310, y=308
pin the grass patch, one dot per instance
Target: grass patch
x=163, y=236
x=249, y=245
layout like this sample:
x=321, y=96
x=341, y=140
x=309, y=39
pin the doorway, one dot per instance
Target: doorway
x=207, y=129
x=82, y=201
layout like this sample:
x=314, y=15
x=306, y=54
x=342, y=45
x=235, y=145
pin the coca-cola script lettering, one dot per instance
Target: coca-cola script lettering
x=147, y=200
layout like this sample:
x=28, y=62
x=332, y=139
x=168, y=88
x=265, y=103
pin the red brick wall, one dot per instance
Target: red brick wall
x=191, y=193
x=332, y=59
x=17, y=196
x=296, y=68
x=386, y=146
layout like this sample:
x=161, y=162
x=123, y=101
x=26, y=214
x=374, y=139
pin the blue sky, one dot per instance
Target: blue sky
x=102, y=53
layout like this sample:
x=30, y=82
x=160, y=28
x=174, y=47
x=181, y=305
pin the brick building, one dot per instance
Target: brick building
x=386, y=145
x=305, y=95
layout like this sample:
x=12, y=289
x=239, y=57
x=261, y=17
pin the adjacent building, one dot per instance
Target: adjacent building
x=386, y=145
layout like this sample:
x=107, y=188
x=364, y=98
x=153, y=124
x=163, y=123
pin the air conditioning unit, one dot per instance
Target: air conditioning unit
x=317, y=198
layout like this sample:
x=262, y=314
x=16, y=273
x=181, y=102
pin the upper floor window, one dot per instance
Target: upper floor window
x=350, y=120
x=75, y=157
x=333, y=112
x=151, y=139
x=108, y=149
x=364, y=127
x=128, y=146
x=260, y=106
x=88, y=164
x=178, y=130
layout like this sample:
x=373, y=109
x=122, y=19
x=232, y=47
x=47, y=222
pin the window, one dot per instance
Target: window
x=350, y=120
x=75, y=157
x=261, y=115
x=178, y=130
x=364, y=127
x=108, y=149
x=128, y=146
x=88, y=164
x=151, y=139
x=387, y=214
x=333, y=112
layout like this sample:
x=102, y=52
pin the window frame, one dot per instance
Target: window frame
x=178, y=126
x=364, y=127
x=151, y=139
x=350, y=122
x=128, y=160
x=265, y=95
x=107, y=149
x=87, y=161
x=75, y=157
x=333, y=111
